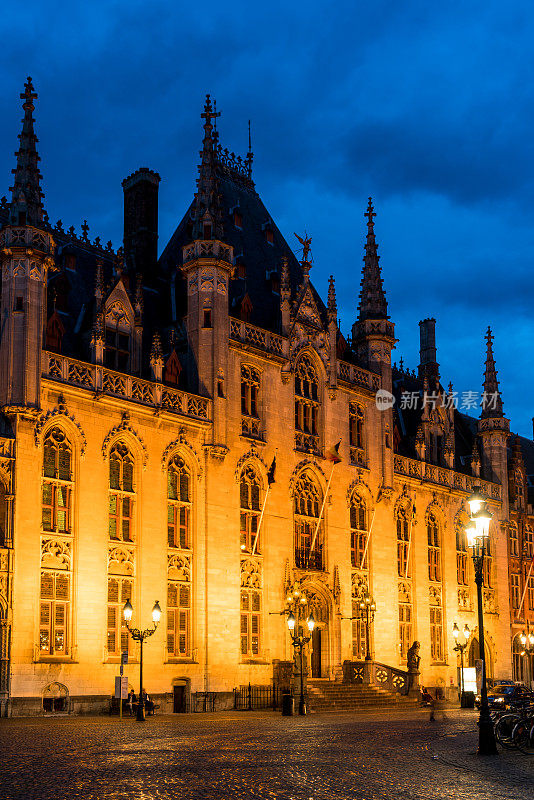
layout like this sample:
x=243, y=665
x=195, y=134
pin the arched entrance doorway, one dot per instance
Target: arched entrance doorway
x=319, y=648
x=181, y=689
x=474, y=655
x=55, y=698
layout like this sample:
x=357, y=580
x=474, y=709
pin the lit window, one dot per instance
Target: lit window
x=356, y=433
x=57, y=482
x=178, y=504
x=249, y=492
x=359, y=640
x=250, y=622
x=403, y=544
x=514, y=540
x=405, y=629
x=306, y=406
x=54, y=613
x=121, y=494
x=307, y=506
x=178, y=619
x=436, y=633
x=358, y=533
x=250, y=388
x=119, y=591
x=514, y=590
x=434, y=549
x=461, y=556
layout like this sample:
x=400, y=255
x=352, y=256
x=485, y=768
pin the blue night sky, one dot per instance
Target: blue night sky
x=427, y=107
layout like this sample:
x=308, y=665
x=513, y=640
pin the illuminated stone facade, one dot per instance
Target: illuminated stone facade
x=143, y=403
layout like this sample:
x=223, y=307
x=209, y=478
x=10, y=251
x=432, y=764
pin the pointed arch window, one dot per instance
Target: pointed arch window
x=307, y=507
x=461, y=556
x=250, y=411
x=514, y=539
x=515, y=590
x=120, y=589
x=307, y=406
x=358, y=533
x=121, y=493
x=54, y=613
x=179, y=619
x=118, y=335
x=434, y=548
x=250, y=503
x=356, y=433
x=57, y=482
x=487, y=564
x=178, y=504
x=403, y=543
x=528, y=544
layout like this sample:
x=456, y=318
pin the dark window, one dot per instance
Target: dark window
x=19, y=304
x=207, y=318
x=117, y=352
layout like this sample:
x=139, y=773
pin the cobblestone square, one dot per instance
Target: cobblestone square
x=375, y=756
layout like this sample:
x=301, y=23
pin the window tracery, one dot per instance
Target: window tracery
x=358, y=533
x=57, y=482
x=307, y=405
x=250, y=503
x=250, y=394
x=178, y=504
x=356, y=434
x=121, y=493
x=307, y=507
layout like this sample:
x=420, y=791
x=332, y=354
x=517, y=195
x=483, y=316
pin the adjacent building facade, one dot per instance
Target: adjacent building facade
x=144, y=400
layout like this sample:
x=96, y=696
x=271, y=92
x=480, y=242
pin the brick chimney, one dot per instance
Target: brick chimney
x=141, y=222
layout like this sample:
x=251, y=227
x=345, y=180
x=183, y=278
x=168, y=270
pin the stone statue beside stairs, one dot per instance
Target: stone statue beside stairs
x=414, y=660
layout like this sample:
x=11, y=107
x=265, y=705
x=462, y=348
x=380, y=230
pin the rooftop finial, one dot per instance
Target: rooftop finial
x=207, y=211
x=27, y=196
x=491, y=400
x=373, y=304
x=306, y=262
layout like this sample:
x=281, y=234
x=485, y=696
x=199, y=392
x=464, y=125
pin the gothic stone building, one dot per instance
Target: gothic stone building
x=143, y=401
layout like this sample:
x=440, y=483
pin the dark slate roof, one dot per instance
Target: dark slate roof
x=260, y=258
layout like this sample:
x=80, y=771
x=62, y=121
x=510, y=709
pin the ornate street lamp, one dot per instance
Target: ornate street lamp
x=477, y=531
x=527, y=641
x=299, y=641
x=367, y=611
x=459, y=648
x=140, y=636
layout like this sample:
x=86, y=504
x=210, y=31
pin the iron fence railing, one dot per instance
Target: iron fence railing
x=250, y=698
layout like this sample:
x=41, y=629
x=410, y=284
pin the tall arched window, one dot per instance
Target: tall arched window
x=250, y=502
x=514, y=539
x=57, y=482
x=434, y=548
x=307, y=506
x=403, y=543
x=121, y=493
x=118, y=335
x=358, y=533
x=306, y=405
x=356, y=433
x=3, y=518
x=178, y=504
x=461, y=556
x=487, y=564
x=250, y=410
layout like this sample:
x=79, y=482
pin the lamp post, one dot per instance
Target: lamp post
x=527, y=641
x=299, y=641
x=367, y=611
x=477, y=532
x=140, y=636
x=459, y=648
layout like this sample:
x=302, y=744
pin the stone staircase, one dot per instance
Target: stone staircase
x=325, y=695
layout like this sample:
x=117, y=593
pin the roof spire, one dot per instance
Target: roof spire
x=250, y=154
x=27, y=196
x=207, y=211
x=491, y=399
x=332, y=305
x=373, y=304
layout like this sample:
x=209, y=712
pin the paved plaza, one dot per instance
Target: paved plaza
x=256, y=755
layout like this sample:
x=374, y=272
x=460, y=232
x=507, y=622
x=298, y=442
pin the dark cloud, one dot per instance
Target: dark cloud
x=428, y=107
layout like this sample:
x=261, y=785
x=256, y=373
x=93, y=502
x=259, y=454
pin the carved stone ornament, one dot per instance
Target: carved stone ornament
x=359, y=585
x=309, y=463
x=250, y=574
x=56, y=553
x=434, y=595
x=405, y=500
x=217, y=451
x=120, y=561
x=124, y=427
x=405, y=592
x=179, y=567
x=336, y=586
x=59, y=411
x=359, y=486
x=181, y=443
x=464, y=599
x=253, y=454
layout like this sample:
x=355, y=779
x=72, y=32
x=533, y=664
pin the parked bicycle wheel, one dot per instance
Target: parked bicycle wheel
x=504, y=728
x=523, y=736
